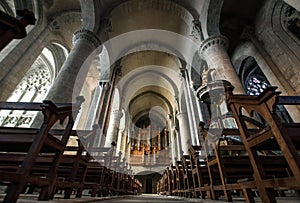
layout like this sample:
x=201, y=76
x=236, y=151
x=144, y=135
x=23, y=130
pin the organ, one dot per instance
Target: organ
x=149, y=145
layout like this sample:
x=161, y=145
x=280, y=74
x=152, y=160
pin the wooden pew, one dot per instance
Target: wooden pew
x=170, y=180
x=172, y=175
x=75, y=161
x=71, y=172
x=164, y=183
x=273, y=136
x=96, y=172
x=164, y=186
x=128, y=179
x=158, y=186
x=137, y=187
x=200, y=173
x=228, y=165
x=113, y=175
x=29, y=143
x=179, y=179
x=187, y=176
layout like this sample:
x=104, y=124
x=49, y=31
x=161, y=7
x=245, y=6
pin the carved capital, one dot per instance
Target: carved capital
x=218, y=40
x=197, y=31
x=88, y=36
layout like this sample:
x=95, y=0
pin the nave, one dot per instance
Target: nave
x=196, y=99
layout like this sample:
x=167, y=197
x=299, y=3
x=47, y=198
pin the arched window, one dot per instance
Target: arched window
x=255, y=82
x=33, y=87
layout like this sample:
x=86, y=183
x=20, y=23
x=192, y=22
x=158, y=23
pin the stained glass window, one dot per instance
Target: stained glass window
x=255, y=85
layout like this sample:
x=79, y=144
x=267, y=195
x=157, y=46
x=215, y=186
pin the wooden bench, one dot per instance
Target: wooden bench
x=96, y=170
x=200, y=173
x=74, y=164
x=30, y=143
x=137, y=187
x=170, y=181
x=187, y=176
x=71, y=172
x=179, y=179
x=228, y=165
x=127, y=180
x=272, y=136
x=232, y=168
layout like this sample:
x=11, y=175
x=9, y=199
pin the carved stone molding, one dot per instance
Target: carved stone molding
x=197, y=31
x=213, y=41
x=87, y=35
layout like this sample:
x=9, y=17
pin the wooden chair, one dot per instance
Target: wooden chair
x=228, y=165
x=272, y=136
x=96, y=171
x=179, y=179
x=26, y=144
x=187, y=176
x=200, y=173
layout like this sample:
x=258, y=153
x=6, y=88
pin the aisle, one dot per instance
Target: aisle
x=149, y=198
x=145, y=198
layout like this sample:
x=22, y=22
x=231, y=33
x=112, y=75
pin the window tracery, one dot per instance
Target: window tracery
x=32, y=88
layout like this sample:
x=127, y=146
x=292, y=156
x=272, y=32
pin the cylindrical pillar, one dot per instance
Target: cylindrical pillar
x=123, y=144
x=113, y=129
x=67, y=82
x=184, y=132
x=189, y=106
x=213, y=51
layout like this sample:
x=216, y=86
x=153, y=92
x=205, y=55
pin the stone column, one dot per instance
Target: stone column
x=77, y=64
x=123, y=144
x=213, y=51
x=178, y=144
x=188, y=104
x=92, y=114
x=184, y=132
x=113, y=129
x=172, y=143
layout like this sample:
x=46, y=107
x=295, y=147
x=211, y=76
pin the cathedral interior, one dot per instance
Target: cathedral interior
x=188, y=98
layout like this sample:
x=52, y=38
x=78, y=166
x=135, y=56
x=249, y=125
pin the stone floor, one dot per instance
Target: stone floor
x=145, y=198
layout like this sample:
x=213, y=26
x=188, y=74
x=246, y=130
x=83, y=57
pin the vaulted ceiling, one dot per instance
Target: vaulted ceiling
x=153, y=40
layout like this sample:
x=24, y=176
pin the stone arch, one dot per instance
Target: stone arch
x=246, y=50
x=151, y=39
x=59, y=52
x=210, y=18
x=278, y=42
x=6, y=8
x=91, y=10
